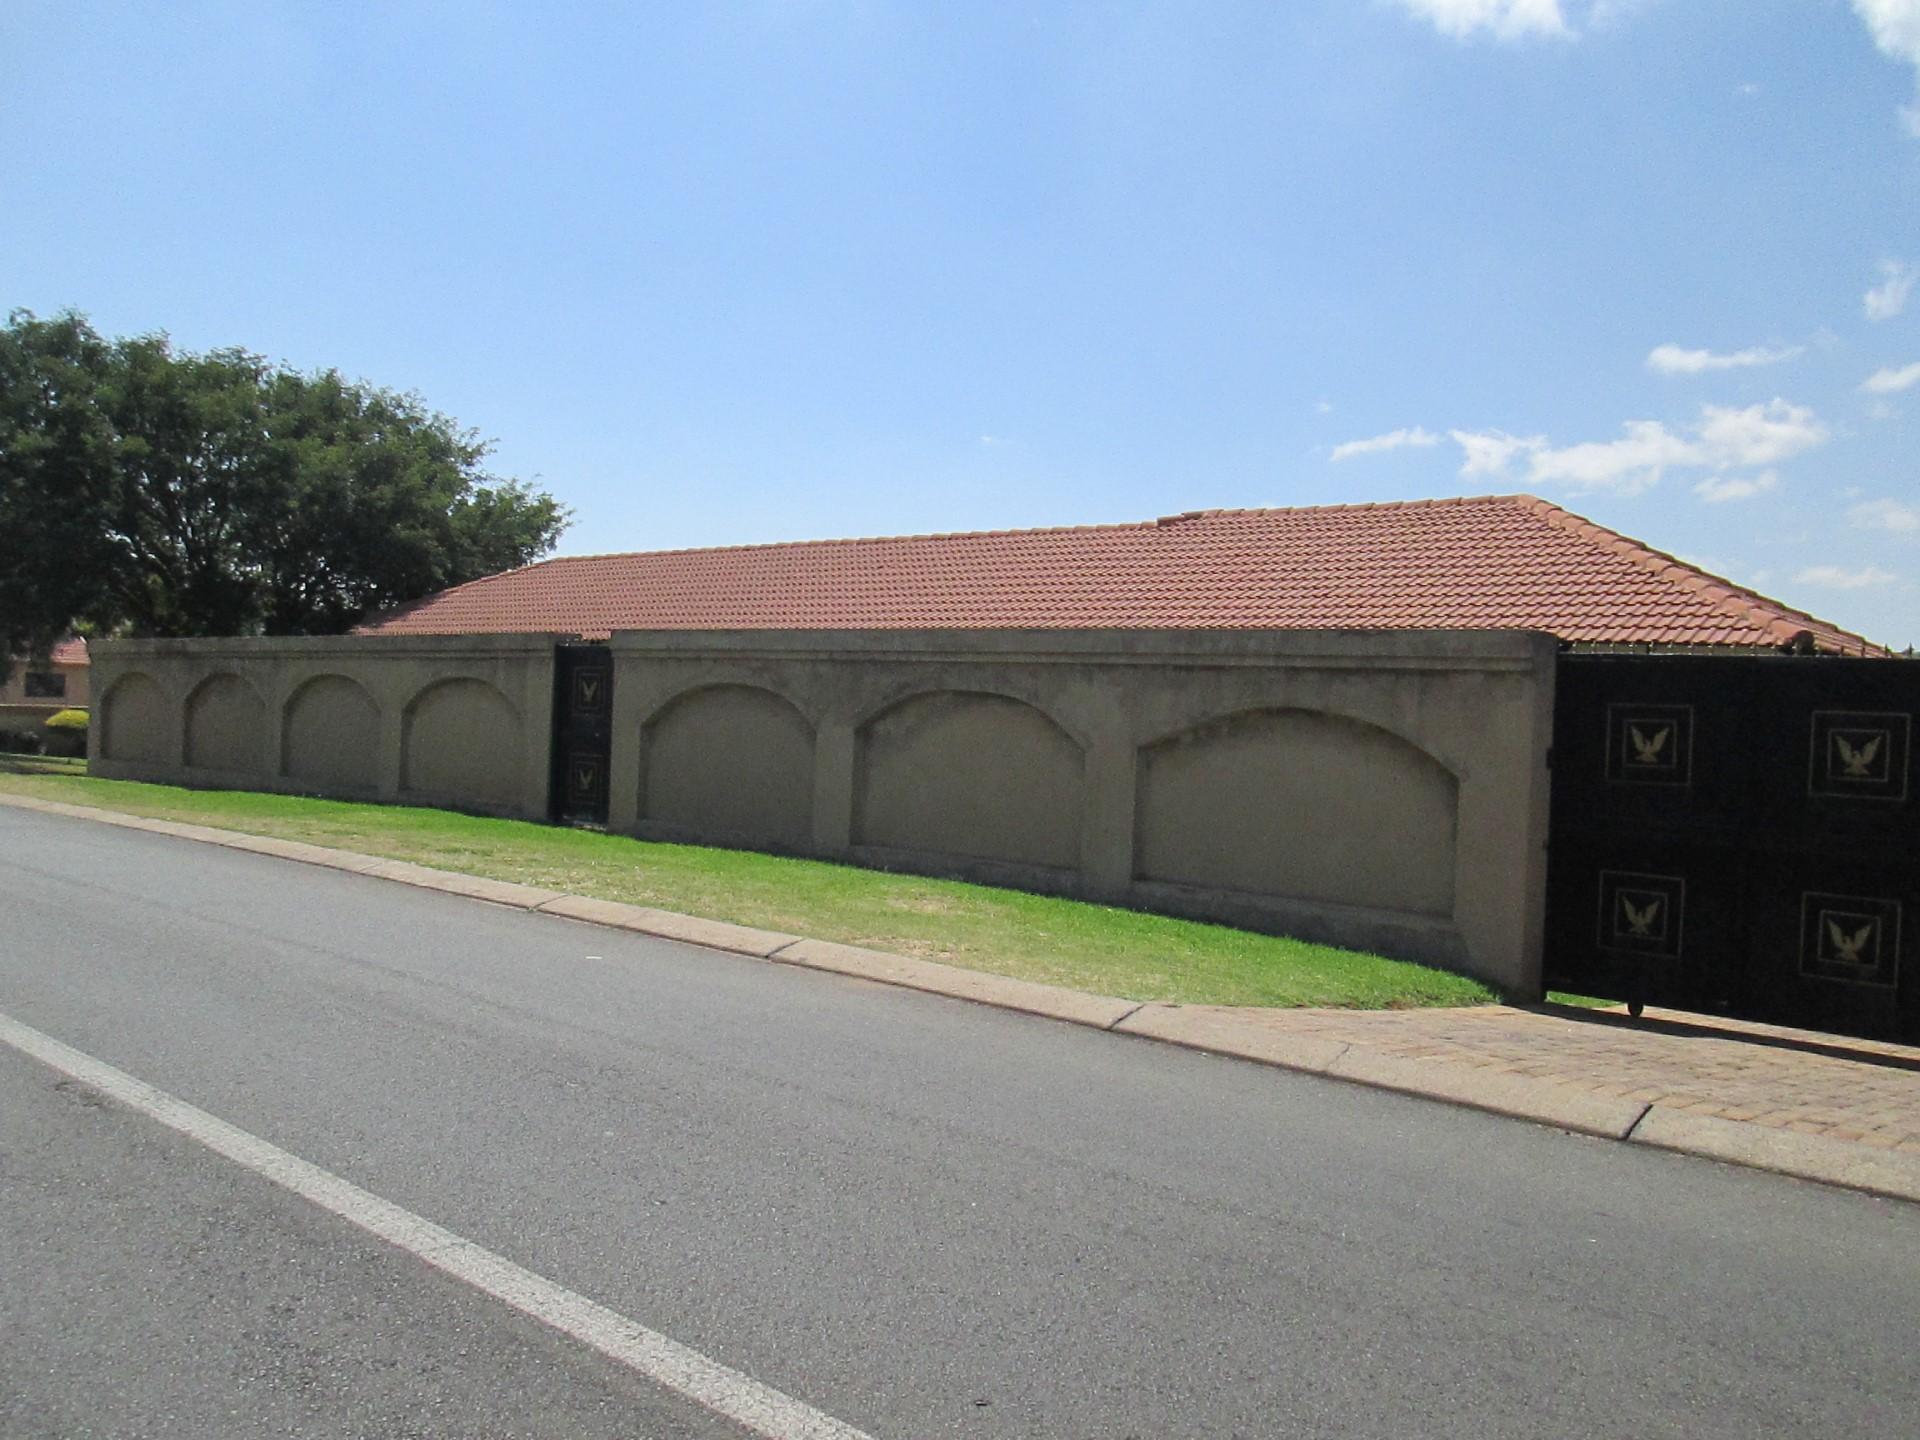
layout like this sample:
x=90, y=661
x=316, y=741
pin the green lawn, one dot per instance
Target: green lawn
x=1007, y=932
x=1579, y=1002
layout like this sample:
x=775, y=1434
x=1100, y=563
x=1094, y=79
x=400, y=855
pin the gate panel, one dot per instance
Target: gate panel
x=582, y=733
x=1739, y=834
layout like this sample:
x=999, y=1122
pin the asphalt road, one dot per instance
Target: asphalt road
x=922, y=1217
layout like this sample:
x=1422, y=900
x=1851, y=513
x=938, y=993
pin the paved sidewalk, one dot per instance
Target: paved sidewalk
x=1819, y=1107
x=1863, y=1091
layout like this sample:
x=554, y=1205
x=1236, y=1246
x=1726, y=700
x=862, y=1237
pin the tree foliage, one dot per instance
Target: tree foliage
x=150, y=491
x=56, y=455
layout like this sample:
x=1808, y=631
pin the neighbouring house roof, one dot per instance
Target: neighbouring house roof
x=1500, y=562
x=71, y=651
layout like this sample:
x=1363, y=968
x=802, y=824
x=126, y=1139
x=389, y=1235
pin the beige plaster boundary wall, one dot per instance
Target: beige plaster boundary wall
x=458, y=721
x=1385, y=790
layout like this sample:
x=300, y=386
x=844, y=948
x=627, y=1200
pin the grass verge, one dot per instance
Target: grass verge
x=1006, y=932
x=1579, y=1002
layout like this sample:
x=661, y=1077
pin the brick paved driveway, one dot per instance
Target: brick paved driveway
x=1855, y=1090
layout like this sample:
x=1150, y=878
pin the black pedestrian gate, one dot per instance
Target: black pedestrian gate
x=1739, y=834
x=582, y=733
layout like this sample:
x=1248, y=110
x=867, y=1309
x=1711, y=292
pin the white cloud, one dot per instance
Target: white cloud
x=1725, y=439
x=1889, y=297
x=1892, y=515
x=1891, y=381
x=1834, y=577
x=1489, y=452
x=1631, y=464
x=1503, y=19
x=1758, y=435
x=1895, y=27
x=1672, y=360
x=1392, y=440
x=1718, y=489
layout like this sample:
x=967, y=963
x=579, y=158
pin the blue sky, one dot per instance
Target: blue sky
x=781, y=269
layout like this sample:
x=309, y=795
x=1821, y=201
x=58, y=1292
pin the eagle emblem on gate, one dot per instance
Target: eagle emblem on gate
x=589, y=691
x=1851, y=938
x=1640, y=918
x=1858, y=755
x=1847, y=947
x=1857, y=763
x=584, y=775
x=1641, y=914
x=1650, y=744
x=1648, y=747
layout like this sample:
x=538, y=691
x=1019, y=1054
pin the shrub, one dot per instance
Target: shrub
x=20, y=742
x=66, y=732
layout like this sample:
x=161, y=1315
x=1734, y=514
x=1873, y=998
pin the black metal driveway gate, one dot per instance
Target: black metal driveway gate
x=1739, y=834
x=582, y=733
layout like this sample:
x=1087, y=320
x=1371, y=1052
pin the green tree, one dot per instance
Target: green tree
x=372, y=500
x=56, y=454
x=149, y=491
x=187, y=485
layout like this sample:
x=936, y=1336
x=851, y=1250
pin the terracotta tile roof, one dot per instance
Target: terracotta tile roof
x=71, y=651
x=1489, y=562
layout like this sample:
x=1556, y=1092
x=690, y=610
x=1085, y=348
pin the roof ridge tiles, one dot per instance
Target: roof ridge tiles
x=1107, y=527
x=846, y=540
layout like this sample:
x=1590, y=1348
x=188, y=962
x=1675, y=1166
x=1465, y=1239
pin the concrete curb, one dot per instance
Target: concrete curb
x=1204, y=1028
x=1053, y=1002
x=1212, y=1029
x=1785, y=1152
x=669, y=925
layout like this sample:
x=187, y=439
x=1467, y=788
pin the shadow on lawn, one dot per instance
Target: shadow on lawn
x=11, y=764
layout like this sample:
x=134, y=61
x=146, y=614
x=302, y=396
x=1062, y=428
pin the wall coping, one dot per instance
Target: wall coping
x=1477, y=650
x=301, y=647
x=1394, y=649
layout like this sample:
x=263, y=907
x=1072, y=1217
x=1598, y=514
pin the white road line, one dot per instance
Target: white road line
x=739, y=1398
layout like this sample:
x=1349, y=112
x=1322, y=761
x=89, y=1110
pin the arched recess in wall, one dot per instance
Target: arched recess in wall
x=332, y=736
x=733, y=762
x=137, y=726
x=1299, y=804
x=462, y=744
x=226, y=726
x=971, y=775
